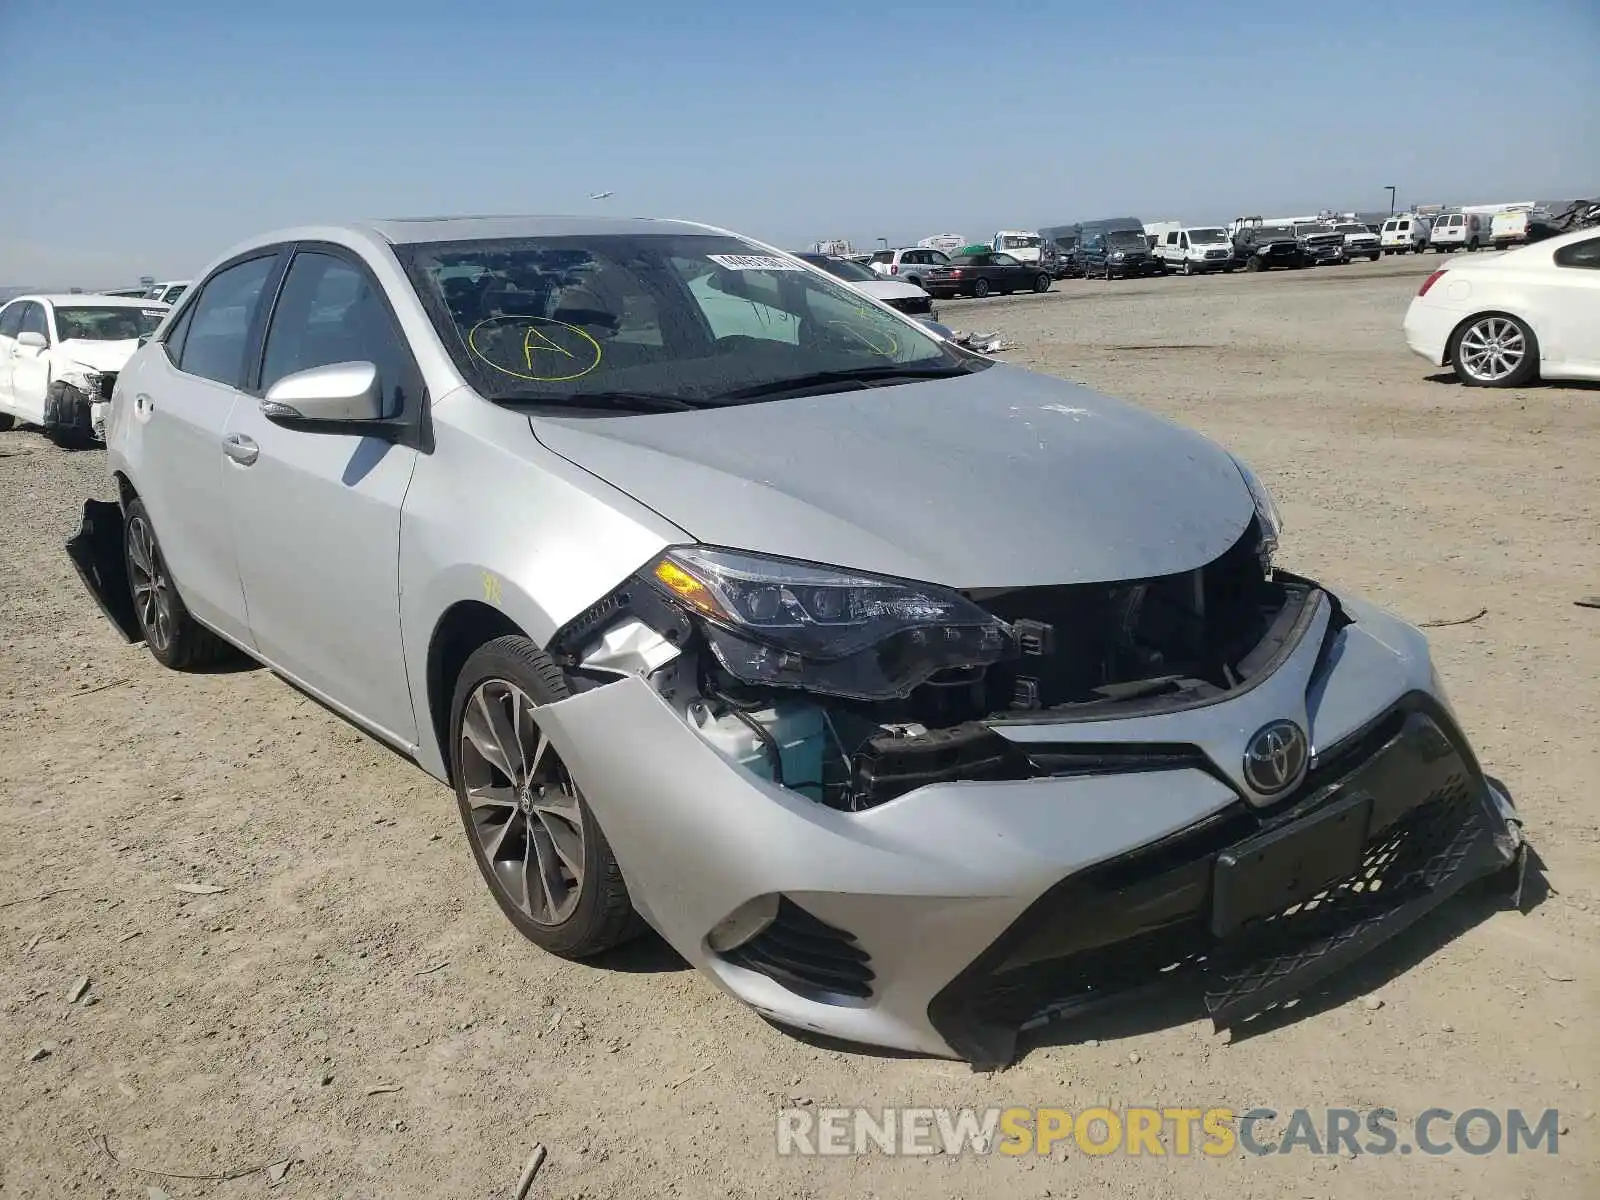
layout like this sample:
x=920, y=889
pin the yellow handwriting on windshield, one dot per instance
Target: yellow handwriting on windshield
x=533, y=342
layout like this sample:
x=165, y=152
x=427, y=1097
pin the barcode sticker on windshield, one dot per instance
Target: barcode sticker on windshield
x=753, y=262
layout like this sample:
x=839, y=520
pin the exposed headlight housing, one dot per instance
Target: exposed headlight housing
x=776, y=623
x=82, y=378
x=1266, y=515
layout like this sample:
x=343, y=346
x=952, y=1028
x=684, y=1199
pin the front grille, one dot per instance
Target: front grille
x=1216, y=254
x=1152, y=916
x=808, y=956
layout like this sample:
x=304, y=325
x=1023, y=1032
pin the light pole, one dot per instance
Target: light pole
x=1390, y=190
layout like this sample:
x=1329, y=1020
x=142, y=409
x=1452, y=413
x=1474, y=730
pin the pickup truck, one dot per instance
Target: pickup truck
x=1191, y=251
x=1259, y=247
x=1322, y=243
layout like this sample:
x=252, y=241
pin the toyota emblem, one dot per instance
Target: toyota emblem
x=1275, y=759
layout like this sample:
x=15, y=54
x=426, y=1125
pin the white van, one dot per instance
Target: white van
x=1023, y=246
x=1405, y=232
x=1203, y=248
x=1451, y=231
x=1510, y=228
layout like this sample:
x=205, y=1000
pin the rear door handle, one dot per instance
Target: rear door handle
x=243, y=450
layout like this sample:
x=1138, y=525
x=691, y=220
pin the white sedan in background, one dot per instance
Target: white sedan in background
x=899, y=294
x=1503, y=320
x=60, y=355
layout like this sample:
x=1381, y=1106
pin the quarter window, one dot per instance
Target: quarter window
x=214, y=344
x=1584, y=254
x=11, y=320
x=329, y=312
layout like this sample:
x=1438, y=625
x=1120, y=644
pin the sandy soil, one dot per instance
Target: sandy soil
x=354, y=946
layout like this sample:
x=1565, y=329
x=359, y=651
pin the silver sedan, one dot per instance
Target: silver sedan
x=915, y=698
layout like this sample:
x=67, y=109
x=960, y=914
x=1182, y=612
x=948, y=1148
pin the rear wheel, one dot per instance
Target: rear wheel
x=1253, y=263
x=6, y=421
x=1372, y=258
x=980, y=289
x=1041, y=283
x=175, y=639
x=533, y=836
x=1495, y=351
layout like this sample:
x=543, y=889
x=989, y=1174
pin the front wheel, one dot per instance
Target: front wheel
x=175, y=638
x=1495, y=351
x=1041, y=283
x=1187, y=268
x=6, y=421
x=981, y=288
x=533, y=836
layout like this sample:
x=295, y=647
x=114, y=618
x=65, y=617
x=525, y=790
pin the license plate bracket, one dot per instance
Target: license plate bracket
x=1274, y=870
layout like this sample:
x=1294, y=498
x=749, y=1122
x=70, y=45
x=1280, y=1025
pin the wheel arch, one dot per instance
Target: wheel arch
x=1459, y=326
x=126, y=492
x=460, y=630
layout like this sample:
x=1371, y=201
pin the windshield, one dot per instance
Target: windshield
x=842, y=268
x=106, y=324
x=1348, y=227
x=694, y=319
x=1201, y=237
x=1018, y=241
x=1127, y=239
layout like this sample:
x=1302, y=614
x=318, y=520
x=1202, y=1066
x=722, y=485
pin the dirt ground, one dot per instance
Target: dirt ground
x=354, y=948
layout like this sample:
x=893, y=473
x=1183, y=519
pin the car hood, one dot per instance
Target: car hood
x=1001, y=478
x=887, y=289
x=97, y=356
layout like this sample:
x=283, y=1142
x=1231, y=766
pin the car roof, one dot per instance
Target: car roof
x=95, y=298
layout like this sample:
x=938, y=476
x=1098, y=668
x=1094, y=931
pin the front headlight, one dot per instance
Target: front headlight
x=85, y=380
x=776, y=623
x=1266, y=514
x=1116, y=254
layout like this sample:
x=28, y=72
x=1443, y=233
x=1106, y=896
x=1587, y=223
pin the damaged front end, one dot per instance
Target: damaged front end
x=1023, y=802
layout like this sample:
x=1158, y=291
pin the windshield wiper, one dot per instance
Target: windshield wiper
x=866, y=376
x=644, y=402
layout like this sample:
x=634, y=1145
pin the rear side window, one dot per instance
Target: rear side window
x=219, y=329
x=328, y=312
x=1585, y=254
x=11, y=320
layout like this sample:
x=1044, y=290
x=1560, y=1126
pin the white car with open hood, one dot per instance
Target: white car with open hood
x=60, y=355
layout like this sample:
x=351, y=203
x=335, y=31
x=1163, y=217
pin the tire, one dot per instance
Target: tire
x=1489, y=368
x=980, y=289
x=1041, y=283
x=65, y=434
x=510, y=678
x=1372, y=258
x=914, y=281
x=175, y=639
x=1472, y=246
x=1227, y=270
x=6, y=421
x=1186, y=269
x=1252, y=263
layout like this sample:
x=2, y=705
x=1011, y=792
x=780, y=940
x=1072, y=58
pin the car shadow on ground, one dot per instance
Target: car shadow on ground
x=1575, y=385
x=647, y=954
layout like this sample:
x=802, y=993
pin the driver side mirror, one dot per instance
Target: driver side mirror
x=32, y=340
x=338, y=398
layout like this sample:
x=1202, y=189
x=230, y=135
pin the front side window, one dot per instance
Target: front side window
x=1585, y=254
x=33, y=319
x=97, y=323
x=329, y=311
x=697, y=319
x=214, y=342
x=11, y=319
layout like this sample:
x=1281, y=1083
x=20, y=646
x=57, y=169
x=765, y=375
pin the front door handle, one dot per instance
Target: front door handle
x=243, y=450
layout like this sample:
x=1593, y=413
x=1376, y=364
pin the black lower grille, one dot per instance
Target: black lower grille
x=1160, y=913
x=807, y=955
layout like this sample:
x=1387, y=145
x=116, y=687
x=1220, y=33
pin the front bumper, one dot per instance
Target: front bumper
x=943, y=920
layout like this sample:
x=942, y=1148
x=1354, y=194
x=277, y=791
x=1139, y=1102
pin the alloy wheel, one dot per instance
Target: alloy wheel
x=1492, y=349
x=526, y=817
x=152, y=588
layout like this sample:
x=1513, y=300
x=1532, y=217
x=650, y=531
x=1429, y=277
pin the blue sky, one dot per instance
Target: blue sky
x=148, y=137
